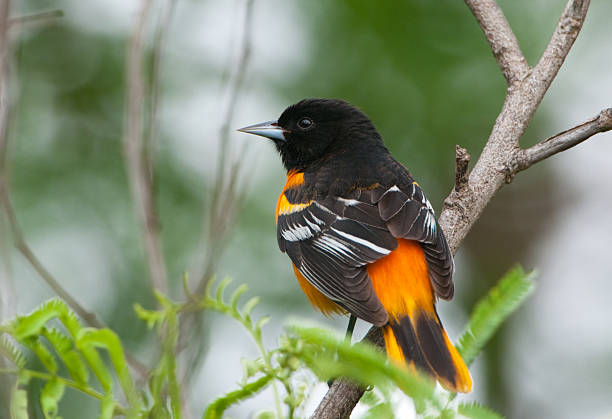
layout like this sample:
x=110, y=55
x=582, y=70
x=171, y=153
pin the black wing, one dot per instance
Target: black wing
x=409, y=215
x=330, y=242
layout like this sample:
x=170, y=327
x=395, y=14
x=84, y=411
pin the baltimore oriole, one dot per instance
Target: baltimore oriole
x=361, y=235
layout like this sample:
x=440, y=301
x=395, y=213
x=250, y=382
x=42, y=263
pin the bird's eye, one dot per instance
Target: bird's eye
x=305, y=123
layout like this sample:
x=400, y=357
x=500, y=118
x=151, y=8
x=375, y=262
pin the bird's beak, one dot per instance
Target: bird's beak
x=269, y=129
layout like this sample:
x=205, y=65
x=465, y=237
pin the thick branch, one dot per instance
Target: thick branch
x=462, y=161
x=504, y=44
x=343, y=395
x=524, y=158
x=137, y=166
x=488, y=176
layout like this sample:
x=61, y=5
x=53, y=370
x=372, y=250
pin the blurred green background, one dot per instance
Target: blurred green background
x=421, y=70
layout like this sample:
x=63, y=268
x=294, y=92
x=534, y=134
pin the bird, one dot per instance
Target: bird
x=361, y=235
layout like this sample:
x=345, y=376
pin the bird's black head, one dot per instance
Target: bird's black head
x=315, y=129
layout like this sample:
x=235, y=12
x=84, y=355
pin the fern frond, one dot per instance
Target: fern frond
x=215, y=409
x=10, y=351
x=477, y=411
x=490, y=312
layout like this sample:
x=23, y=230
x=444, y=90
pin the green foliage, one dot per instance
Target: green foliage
x=491, y=311
x=76, y=351
x=477, y=411
x=302, y=350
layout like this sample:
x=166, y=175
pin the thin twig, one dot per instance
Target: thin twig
x=7, y=290
x=225, y=193
x=25, y=250
x=525, y=158
x=224, y=201
x=135, y=158
x=502, y=40
x=4, y=98
x=36, y=18
x=159, y=41
x=22, y=246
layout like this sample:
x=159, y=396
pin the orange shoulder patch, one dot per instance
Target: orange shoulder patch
x=283, y=206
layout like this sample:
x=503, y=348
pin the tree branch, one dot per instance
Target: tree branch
x=36, y=18
x=462, y=161
x=343, y=394
x=525, y=158
x=502, y=40
x=137, y=165
x=526, y=89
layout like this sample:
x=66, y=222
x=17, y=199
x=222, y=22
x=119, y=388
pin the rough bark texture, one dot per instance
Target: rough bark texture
x=333, y=406
x=502, y=156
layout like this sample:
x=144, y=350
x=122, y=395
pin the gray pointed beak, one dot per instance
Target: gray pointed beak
x=269, y=129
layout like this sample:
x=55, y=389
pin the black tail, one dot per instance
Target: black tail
x=421, y=342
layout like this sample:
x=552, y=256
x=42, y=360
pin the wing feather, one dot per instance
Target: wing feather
x=409, y=215
x=330, y=243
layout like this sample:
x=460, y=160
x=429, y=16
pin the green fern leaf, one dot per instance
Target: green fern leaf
x=215, y=409
x=51, y=394
x=490, y=312
x=10, y=351
x=477, y=411
x=19, y=403
x=236, y=296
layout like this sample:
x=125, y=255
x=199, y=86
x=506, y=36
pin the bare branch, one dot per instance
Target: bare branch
x=525, y=158
x=226, y=192
x=23, y=247
x=224, y=201
x=36, y=18
x=502, y=40
x=561, y=42
x=343, y=395
x=462, y=160
x=488, y=175
x=137, y=167
x=7, y=291
x=4, y=98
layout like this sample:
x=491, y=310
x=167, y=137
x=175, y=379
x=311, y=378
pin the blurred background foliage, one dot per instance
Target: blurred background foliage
x=421, y=70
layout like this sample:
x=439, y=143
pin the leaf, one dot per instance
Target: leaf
x=215, y=409
x=237, y=294
x=151, y=317
x=248, y=307
x=19, y=403
x=41, y=351
x=490, y=312
x=266, y=414
x=64, y=347
x=382, y=410
x=107, y=407
x=477, y=411
x=221, y=288
x=107, y=339
x=51, y=394
x=31, y=324
x=330, y=356
x=10, y=351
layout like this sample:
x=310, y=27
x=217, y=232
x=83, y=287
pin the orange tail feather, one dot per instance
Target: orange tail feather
x=421, y=342
x=414, y=334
